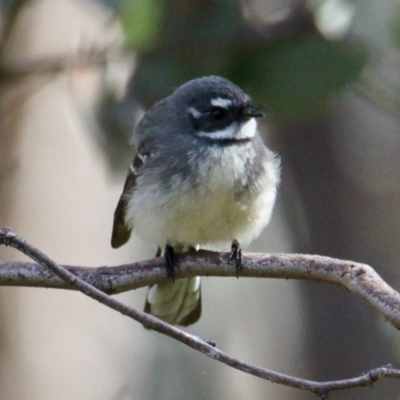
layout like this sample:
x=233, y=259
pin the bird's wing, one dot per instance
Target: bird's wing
x=121, y=229
x=144, y=140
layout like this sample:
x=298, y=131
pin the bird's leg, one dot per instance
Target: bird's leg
x=236, y=256
x=171, y=261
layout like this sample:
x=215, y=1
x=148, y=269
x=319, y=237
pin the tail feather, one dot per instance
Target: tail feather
x=176, y=302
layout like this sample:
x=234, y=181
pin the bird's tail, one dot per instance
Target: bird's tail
x=176, y=302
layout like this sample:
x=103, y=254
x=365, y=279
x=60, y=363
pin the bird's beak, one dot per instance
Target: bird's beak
x=252, y=112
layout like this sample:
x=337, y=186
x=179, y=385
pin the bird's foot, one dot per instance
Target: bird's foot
x=171, y=261
x=236, y=256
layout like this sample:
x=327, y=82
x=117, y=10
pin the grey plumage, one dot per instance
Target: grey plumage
x=201, y=176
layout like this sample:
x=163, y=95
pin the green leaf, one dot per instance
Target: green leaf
x=141, y=20
x=295, y=79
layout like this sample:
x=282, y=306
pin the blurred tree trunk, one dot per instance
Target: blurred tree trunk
x=343, y=189
x=53, y=184
x=350, y=218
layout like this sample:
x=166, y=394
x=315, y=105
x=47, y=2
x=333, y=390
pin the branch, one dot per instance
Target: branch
x=190, y=265
x=54, y=65
x=357, y=278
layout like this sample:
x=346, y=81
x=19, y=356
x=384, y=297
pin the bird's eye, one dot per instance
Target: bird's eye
x=218, y=113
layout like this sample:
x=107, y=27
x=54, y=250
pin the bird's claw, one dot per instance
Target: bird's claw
x=171, y=261
x=235, y=256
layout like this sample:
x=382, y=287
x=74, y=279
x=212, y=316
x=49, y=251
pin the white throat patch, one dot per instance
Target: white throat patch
x=234, y=131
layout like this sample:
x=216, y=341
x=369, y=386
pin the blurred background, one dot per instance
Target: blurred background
x=75, y=76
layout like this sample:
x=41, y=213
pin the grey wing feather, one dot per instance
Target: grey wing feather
x=121, y=231
x=145, y=147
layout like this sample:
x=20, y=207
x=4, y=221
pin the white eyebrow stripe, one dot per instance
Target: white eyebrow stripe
x=233, y=131
x=221, y=102
x=196, y=113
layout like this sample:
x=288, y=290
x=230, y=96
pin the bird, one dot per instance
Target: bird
x=201, y=177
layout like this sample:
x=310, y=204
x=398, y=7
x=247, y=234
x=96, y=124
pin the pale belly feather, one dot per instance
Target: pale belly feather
x=207, y=214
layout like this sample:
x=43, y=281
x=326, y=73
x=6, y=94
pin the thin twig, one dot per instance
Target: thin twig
x=320, y=389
